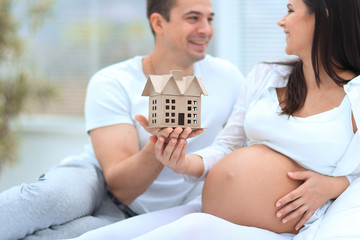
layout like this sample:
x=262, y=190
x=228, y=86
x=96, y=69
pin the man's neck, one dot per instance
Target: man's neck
x=156, y=65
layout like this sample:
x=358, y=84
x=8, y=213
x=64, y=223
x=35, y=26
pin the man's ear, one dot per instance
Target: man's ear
x=157, y=22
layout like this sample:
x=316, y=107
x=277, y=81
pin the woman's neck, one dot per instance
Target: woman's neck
x=325, y=79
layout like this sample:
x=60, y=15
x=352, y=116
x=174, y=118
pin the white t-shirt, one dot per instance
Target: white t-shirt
x=259, y=91
x=114, y=97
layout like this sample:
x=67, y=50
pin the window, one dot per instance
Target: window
x=88, y=31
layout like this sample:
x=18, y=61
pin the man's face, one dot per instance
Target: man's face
x=190, y=29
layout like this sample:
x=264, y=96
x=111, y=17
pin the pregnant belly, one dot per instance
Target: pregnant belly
x=244, y=186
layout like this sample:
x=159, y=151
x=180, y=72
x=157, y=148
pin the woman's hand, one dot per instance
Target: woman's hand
x=171, y=145
x=316, y=190
x=172, y=154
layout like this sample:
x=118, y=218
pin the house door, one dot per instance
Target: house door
x=181, y=118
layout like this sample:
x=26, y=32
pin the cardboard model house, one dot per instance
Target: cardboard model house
x=175, y=100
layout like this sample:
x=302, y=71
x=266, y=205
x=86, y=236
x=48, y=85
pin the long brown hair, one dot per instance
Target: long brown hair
x=336, y=46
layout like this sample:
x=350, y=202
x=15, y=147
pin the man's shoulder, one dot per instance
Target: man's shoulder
x=127, y=69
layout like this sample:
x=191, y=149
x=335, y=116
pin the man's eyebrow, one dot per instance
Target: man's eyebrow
x=196, y=13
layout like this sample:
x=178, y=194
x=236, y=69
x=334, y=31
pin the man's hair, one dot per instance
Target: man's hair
x=336, y=45
x=163, y=7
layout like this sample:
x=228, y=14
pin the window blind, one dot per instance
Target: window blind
x=247, y=32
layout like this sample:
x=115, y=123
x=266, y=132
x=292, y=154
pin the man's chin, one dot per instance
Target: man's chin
x=199, y=56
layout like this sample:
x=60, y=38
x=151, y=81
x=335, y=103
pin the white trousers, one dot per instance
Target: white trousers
x=184, y=222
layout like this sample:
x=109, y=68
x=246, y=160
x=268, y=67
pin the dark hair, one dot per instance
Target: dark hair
x=336, y=46
x=163, y=7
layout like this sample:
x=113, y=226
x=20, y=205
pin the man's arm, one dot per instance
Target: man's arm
x=128, y=171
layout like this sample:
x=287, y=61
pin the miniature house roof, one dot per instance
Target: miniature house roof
x=174, y=84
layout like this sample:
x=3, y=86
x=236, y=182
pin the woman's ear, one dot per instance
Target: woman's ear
x=157, y=22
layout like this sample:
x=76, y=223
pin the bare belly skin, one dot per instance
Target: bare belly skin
x=244, y=186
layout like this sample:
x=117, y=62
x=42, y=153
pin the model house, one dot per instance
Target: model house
x=175, y=100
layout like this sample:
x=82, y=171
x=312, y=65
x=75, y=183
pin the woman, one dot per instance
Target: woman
x=296, y=116
x=298, y=122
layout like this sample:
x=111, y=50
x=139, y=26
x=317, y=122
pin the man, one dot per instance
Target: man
x=118, y=175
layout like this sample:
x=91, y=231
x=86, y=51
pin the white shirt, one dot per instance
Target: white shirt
x=261, y=78
x=114, y=97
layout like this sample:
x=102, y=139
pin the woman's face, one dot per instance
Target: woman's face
x=298, y=25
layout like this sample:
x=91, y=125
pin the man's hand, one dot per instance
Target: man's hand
x=168, y=133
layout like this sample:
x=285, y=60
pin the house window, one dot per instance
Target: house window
x=195, y=102
x=189, y=115
x=195, y=115
x=167, y=120
x=173, y=114
x=195, y=122
x=189, y=108
x=172, y=120
x=172, y=107
x=173, y=101
x=167, y=114
x=189, y=121
x=167, y=100
x=167, y=107
x=195, y=109
x=189, y=102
